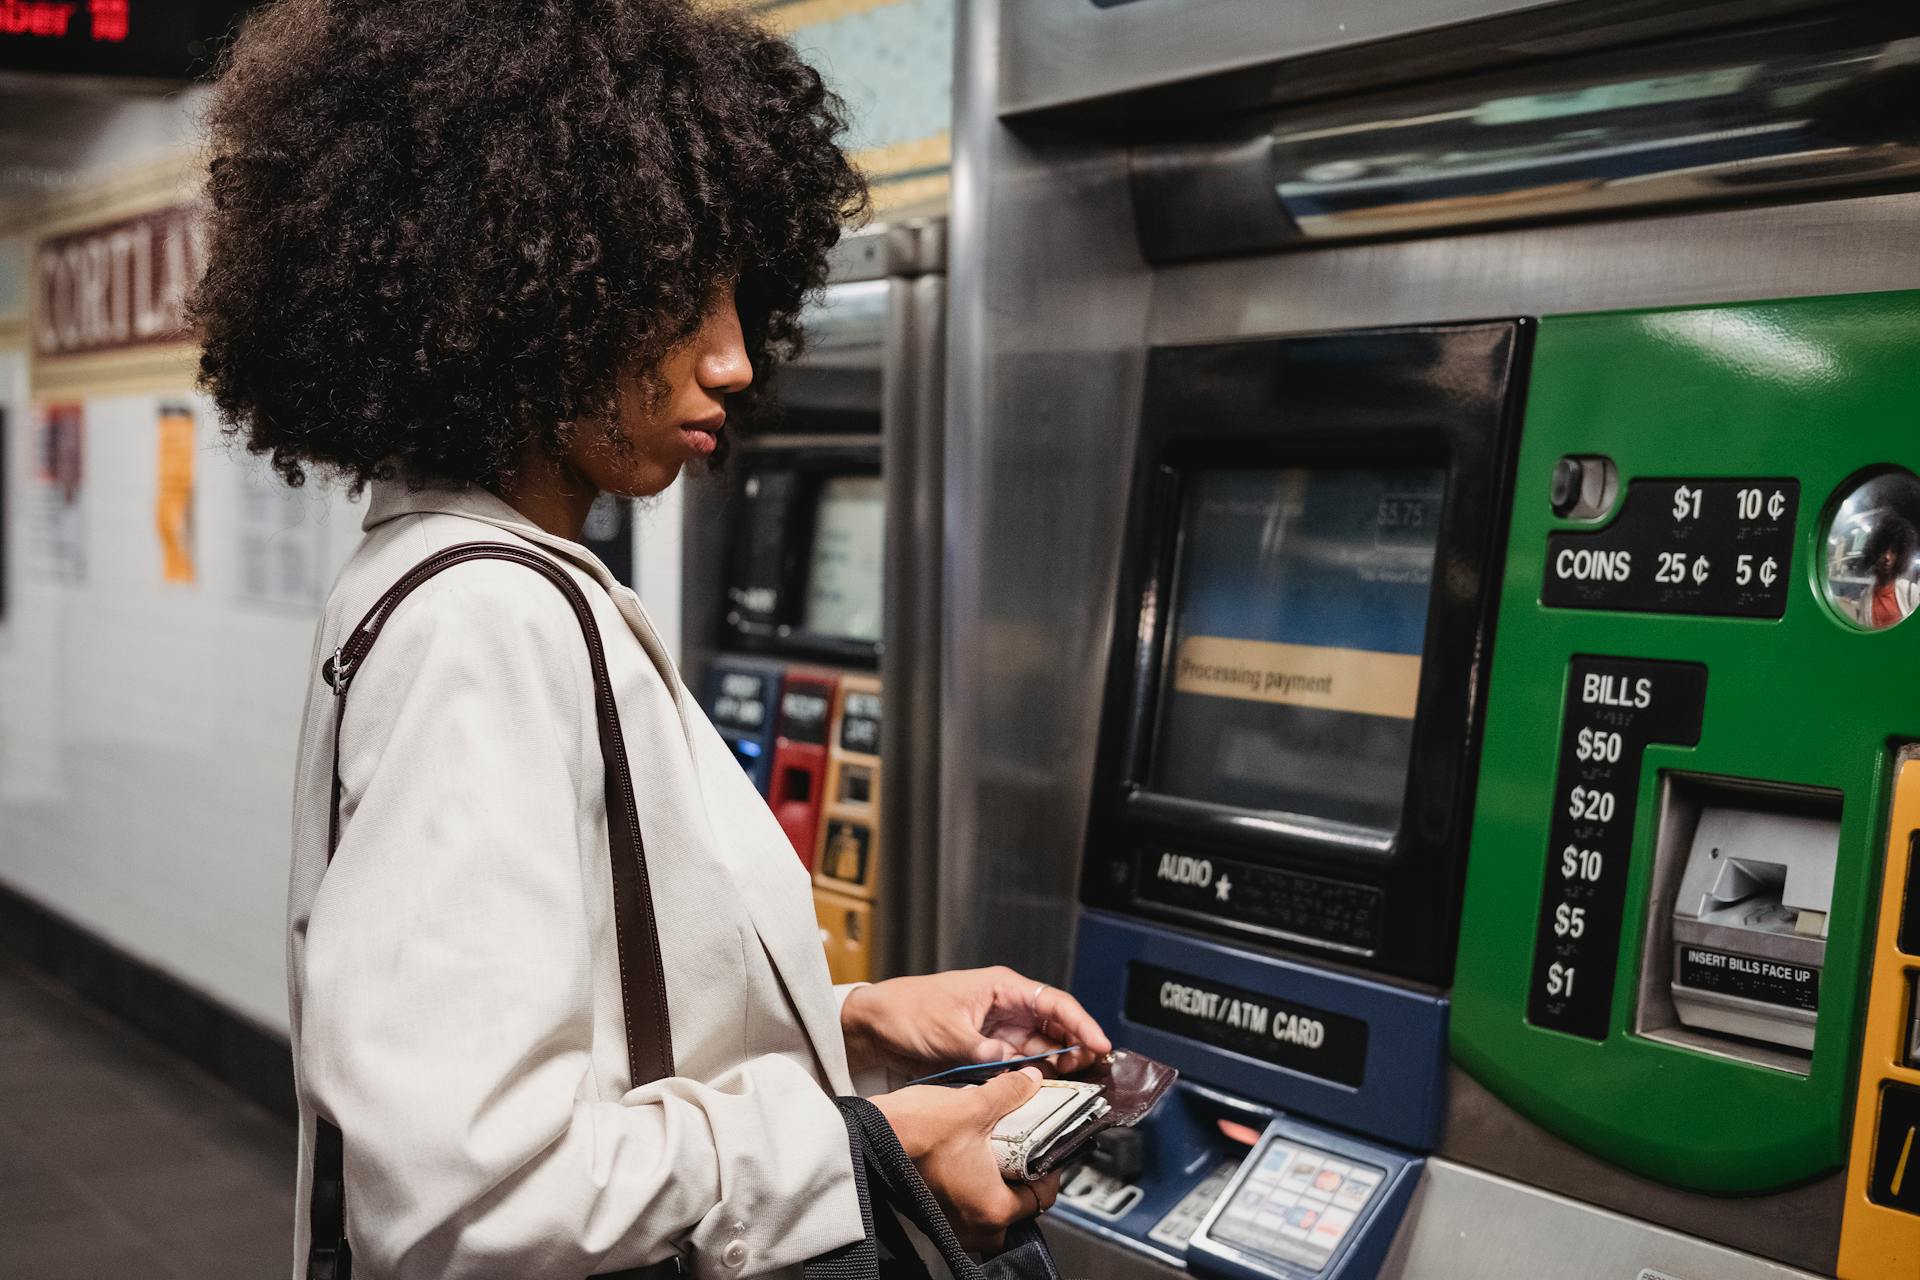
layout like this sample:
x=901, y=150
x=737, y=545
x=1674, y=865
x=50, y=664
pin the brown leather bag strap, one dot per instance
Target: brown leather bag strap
x=643, y=983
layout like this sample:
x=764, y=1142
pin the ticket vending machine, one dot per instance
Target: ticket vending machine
x=1700, y=709
x=812, y=578
x=1285, y=776
x=1674, y=966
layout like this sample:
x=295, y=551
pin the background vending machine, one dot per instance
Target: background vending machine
x=1608, y=877
x=811, y=588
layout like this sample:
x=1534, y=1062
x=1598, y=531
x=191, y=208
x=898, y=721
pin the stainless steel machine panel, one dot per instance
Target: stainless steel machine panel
x=1468, y=1225
x=1058, y=53
x=1054, y=307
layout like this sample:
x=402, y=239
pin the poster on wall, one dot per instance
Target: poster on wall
x=56, y=517
x=283, y=541
x=173, y=494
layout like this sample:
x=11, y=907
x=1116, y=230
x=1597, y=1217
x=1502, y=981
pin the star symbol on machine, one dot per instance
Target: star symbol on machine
x=1222, y=887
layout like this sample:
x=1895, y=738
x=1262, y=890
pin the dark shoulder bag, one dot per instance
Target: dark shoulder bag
x=878, y=1159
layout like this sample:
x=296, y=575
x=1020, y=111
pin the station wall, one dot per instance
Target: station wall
x=157, y=601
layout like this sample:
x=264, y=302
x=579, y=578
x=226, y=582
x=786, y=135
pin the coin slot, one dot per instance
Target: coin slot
x=1583, y=486
x=1737, y=924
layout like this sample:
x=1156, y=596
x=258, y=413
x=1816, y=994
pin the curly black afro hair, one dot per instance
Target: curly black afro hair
x=442, y=231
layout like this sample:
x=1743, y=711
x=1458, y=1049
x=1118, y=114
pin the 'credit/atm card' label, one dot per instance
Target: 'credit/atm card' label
x=1261, y=899
x=1794, y=986
x=741, y=703
x=1299, y=1037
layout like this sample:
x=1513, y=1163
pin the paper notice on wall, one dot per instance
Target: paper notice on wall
x=56, y=511
x=173, y=494
x=283, y=541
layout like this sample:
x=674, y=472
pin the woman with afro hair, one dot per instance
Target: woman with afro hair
x=490, y=259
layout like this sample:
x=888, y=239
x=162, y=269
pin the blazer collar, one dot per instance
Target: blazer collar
x=784, y=938
x=401, y=497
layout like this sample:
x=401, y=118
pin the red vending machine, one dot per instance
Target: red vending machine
x=800, y=756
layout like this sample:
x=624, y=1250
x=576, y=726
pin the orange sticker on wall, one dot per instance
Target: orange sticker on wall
x=173, y=494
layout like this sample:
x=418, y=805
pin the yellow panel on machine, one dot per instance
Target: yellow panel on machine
x=1880, y=1234
x=846, y=864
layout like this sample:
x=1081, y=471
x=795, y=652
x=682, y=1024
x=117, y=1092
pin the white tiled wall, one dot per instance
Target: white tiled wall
x=147, y=729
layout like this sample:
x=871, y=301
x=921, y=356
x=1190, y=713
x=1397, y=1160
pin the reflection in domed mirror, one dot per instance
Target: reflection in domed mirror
x=1873, y=551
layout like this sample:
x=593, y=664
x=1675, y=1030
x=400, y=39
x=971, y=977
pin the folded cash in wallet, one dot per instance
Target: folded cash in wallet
x=1047, y=1129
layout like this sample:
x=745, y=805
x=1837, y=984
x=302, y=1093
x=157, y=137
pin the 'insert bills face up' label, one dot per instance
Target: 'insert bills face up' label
x=1792, y=986
x=1287, y=1034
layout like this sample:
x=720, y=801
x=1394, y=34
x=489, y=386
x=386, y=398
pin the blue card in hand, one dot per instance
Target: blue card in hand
x=975, y=1072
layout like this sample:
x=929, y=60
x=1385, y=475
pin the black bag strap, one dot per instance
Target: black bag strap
x=888, y=1183
x=643, y=983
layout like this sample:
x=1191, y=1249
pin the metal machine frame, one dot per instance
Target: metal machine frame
x=885, y=359
x=1055, y=305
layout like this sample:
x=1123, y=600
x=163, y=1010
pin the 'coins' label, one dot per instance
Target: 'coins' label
x=1614, y=708
x=1713, y=547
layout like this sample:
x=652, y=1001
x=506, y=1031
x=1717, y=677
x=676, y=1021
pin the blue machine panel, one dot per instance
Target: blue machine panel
x=1366, y=1055
x=743, y=696
x=1186, y=1161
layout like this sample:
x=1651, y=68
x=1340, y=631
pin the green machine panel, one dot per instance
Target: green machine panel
x=1700, y=672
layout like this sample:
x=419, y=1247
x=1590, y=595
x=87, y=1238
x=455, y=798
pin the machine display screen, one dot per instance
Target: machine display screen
x=1297, y=1205
x=844, y=568
x=1298, y=619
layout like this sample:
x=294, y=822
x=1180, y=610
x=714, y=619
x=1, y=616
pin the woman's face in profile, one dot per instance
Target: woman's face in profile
x=675, y=418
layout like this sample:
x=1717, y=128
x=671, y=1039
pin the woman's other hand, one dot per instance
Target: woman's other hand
x=918, y=1025
x=945, y=1133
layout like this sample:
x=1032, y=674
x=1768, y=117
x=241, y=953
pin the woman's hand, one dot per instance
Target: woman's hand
x=918, y=1025
x=945, y=1133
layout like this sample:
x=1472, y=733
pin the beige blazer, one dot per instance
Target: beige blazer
x=453, y=980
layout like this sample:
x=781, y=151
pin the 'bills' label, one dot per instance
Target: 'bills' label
x=1615, y=707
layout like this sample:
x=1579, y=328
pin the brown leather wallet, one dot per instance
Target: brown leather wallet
x=1131, y=1083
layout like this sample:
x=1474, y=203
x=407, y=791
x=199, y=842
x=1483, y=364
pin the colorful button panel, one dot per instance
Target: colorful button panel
x=1297, y=1205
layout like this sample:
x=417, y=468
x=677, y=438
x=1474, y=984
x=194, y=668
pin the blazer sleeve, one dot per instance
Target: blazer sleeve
x=446, y=1020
